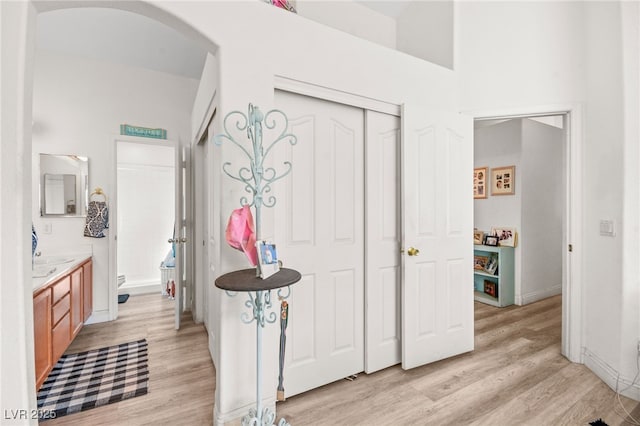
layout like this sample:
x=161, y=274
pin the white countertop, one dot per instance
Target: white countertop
x=61, y=269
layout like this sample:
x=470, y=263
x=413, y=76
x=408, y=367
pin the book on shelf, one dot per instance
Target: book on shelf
x=267, y=258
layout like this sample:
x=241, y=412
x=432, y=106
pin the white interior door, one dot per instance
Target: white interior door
x=320, y=232
x=180, y=233
x=382, y=289
x=437, y=219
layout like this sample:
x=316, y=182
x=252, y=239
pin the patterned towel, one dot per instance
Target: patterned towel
x=97, y=219
x=34, y=240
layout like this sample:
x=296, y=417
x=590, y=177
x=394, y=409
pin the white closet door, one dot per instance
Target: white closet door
x=320, y=232
x=382, y=289
x=437, y=219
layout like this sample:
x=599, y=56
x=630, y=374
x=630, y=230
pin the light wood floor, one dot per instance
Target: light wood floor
x=181, y=374
x=515, y=376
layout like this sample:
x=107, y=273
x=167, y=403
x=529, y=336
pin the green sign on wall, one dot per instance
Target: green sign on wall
x=144, y=132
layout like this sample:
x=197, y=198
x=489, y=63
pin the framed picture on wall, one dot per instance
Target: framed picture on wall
x=503, y=180
x=480, y=182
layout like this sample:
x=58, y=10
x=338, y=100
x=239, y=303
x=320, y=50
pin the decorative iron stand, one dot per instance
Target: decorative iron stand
x=257, y=180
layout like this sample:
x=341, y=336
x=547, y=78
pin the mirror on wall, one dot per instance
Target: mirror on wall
x=64, y=185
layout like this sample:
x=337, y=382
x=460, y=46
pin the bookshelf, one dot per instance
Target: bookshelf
x=496, y=289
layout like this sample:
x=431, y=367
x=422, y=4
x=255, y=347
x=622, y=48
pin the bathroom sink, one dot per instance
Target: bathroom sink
x=52, y=260
x=42, y=271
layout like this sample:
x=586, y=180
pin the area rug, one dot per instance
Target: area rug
x=98, y=377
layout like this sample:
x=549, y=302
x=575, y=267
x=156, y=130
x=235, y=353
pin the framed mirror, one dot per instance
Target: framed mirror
x=64, y=185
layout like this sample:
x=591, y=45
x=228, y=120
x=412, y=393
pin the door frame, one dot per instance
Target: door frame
x=572, y=289
x=113, y=222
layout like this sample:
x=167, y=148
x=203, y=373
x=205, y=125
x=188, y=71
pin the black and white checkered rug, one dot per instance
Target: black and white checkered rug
x=90, y=379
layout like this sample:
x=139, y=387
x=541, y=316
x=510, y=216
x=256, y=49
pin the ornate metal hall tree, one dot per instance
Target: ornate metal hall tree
x=257, y=180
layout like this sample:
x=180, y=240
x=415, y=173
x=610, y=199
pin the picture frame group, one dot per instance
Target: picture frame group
x=498, y=236
x=501, y=181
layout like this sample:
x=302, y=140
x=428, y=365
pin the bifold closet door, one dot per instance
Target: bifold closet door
x=382, y=288
x=319, y=222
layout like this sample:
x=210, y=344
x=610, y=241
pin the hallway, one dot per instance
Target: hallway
x=181, y=374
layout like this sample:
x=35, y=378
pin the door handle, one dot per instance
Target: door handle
x=183, y=239
x=173, y=240
x=413, y=251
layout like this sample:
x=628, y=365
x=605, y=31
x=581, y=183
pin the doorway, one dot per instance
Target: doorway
x=549, y=156
x=145, y=182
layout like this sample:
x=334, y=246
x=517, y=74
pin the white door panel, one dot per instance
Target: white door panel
x=437, y=217
x=382, y=289
x=182, y=232
x=320, y=232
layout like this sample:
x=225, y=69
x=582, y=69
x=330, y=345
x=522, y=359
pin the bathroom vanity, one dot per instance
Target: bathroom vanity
x=62, y=302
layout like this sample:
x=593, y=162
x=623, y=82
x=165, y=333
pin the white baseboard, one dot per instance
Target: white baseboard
x=98, y=316
x=140, y=288
x=609, y=375
x=534, y=296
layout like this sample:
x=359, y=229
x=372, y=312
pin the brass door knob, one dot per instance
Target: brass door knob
x=413, y=251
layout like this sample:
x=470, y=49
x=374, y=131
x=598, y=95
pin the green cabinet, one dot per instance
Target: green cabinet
x=494, y=287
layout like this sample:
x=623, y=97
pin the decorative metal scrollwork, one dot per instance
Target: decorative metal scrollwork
x=256, y=178
x=259, y=304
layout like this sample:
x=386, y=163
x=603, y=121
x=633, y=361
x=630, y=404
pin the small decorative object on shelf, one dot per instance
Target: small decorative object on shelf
x=480, y=262
x=491, y=240
x=506, y=236
x=268, y=259
x=478, y=236
x=491, y=288
x=492, y=264
x=268, y=275
x=283, y=4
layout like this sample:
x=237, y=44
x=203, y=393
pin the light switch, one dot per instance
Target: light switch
x=46, y=228
x=607, y=228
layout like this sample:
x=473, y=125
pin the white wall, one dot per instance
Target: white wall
x=78, y=108
x=17, y=387
x=318, y=55
x=146, y=212
x=505, y=58
x=542, y=183
x=352, y=18
x=425, y=30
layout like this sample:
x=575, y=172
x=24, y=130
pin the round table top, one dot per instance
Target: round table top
x=246, y=280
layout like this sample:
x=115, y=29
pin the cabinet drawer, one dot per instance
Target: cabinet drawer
x=61, y=308
x=61, y=337
x=61, y=288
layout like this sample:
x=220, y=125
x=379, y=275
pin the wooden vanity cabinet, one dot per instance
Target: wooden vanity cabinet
x=59, y=312
x=42, y=334
x=87, y=289
x=77, y=318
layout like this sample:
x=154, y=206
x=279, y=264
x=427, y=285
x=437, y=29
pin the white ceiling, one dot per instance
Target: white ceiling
x=122, y=37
